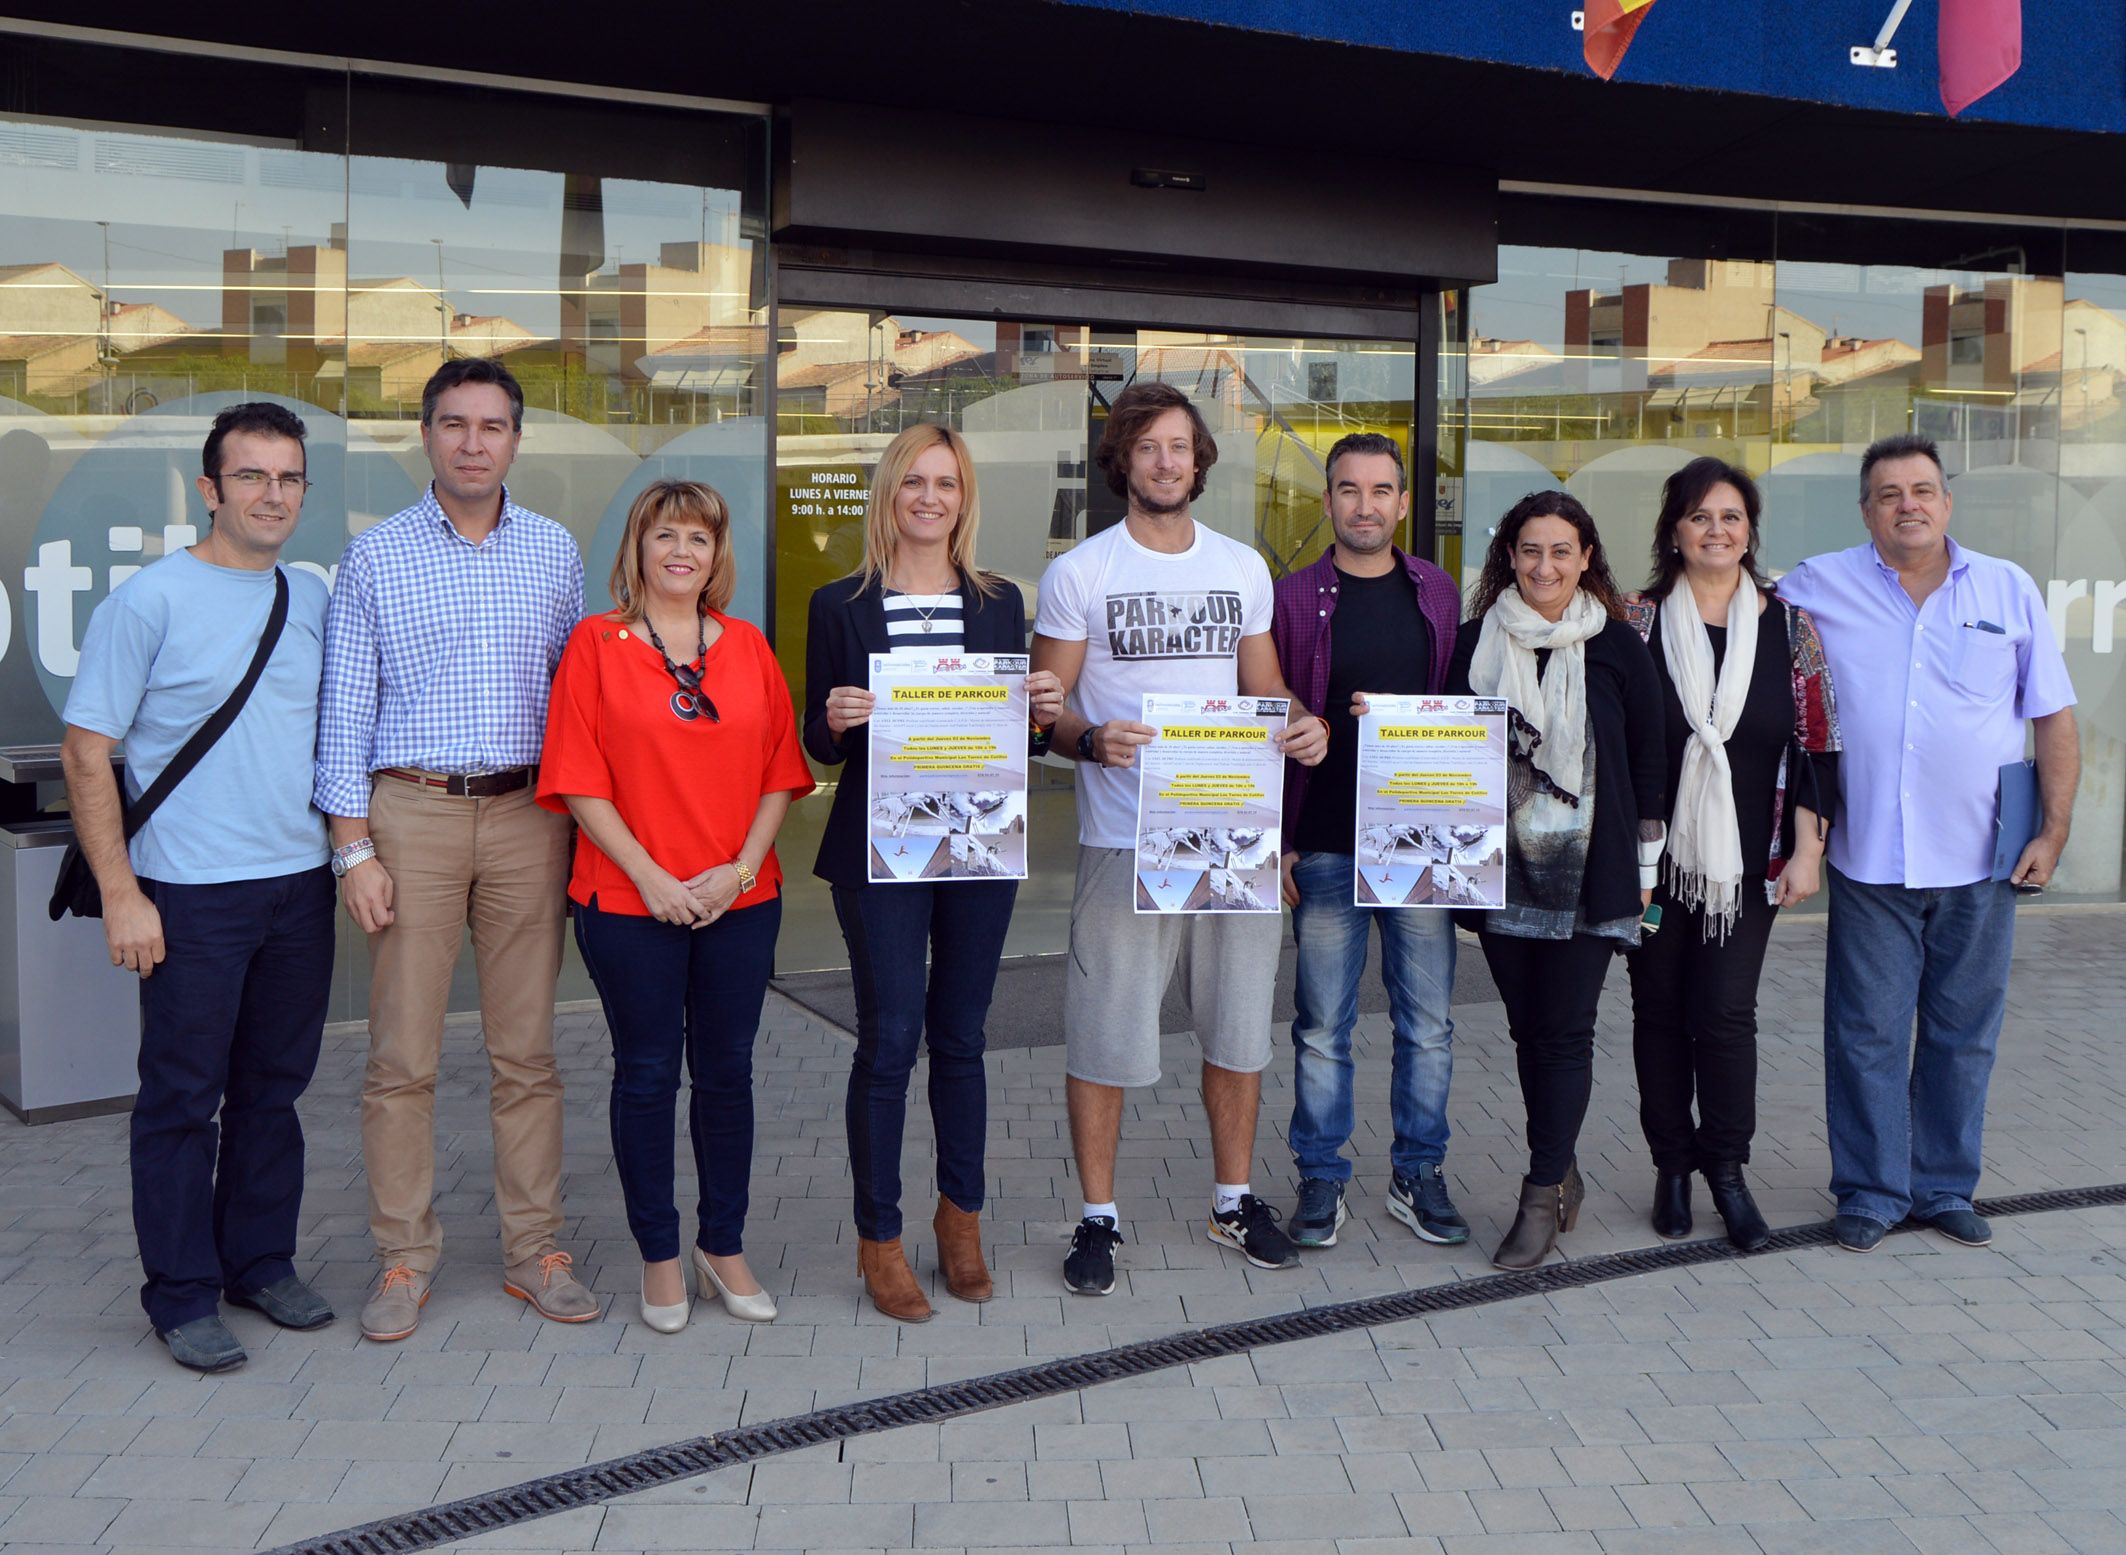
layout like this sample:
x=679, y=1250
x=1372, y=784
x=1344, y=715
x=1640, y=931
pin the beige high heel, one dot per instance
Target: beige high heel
x=665, y=1320
x=756, y=1308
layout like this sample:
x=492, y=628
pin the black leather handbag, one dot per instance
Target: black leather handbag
x=75, y=891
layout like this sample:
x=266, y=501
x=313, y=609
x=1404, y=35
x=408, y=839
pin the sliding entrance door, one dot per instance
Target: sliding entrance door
x=1031, y=397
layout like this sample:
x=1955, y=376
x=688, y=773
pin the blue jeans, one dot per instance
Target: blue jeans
x=1417, y=964
x=1907, y=1119
x=229, y=1031
x=889, y=928
x=673, y=993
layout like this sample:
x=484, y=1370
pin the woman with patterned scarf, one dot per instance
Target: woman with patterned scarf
x=1585, y=809
x=1752, y=740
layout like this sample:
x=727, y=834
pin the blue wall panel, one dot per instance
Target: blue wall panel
x=2074, y=51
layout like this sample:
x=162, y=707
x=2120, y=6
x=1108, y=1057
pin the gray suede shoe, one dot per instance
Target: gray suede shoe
x=287, y=1301
x=204, y=1344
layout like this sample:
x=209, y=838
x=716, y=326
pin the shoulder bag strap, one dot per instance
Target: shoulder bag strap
x=215, y=727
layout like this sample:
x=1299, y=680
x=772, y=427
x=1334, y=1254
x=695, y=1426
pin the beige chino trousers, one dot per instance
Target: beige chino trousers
x=500, y=866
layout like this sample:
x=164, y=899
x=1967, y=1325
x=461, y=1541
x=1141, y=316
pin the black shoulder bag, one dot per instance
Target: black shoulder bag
x=76, y=891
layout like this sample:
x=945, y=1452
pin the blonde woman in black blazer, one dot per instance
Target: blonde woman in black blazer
x=917, y=591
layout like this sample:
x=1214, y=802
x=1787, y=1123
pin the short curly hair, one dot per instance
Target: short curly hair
x=1136, y=408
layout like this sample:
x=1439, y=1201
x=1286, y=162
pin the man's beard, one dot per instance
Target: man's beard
x=1158, y=507
x=1382, y=539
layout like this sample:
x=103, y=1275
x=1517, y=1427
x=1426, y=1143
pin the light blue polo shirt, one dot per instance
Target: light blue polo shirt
x=162, y=653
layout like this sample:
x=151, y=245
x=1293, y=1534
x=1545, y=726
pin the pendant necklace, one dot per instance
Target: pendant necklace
x=689, y=701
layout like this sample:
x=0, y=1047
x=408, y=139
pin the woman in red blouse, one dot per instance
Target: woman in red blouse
x=670, y=738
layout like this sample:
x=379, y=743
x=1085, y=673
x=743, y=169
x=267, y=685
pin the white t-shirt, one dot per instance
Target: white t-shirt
x=1150, y=621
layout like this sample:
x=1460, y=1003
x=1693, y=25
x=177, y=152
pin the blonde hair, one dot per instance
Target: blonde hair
x=675, y=502
x=882, y=535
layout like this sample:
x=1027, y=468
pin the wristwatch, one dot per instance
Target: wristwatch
x=1085, y=746
x=746, y=876
x=359, y=851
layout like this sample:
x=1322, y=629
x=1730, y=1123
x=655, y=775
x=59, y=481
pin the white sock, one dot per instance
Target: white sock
x=1225, y=1196
x=1113, y=1215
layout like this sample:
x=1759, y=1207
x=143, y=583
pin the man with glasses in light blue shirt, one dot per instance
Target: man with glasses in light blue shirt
x=221, y=903
x=1940, y=655
x=447, y=622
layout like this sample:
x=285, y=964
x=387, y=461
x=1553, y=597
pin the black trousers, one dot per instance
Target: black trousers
x=229, y=1032
x=1694, y=1032
x=1551, y=988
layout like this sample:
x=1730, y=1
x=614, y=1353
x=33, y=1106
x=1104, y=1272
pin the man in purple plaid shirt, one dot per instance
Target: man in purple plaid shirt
x=1365, y=617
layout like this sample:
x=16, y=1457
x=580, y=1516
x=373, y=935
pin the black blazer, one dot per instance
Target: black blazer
x=1631, y=758
x=847, y=625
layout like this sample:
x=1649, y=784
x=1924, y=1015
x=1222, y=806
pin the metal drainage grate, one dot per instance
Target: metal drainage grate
x=597, y=1482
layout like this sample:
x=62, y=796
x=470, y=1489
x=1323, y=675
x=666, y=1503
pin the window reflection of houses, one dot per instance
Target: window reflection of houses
x=59, y=335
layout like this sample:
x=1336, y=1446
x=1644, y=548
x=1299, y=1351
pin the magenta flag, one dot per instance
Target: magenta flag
x=1981, y=46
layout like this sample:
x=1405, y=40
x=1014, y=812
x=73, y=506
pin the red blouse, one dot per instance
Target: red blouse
x=687, y=788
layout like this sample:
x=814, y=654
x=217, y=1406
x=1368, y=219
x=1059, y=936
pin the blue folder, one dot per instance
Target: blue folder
x=2016, y=816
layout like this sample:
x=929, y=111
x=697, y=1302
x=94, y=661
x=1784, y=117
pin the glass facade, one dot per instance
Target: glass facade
x=327, y=238
x=1607, y=368
x=328, y=242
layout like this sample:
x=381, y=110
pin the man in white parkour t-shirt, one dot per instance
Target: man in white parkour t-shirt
x=1158, y=603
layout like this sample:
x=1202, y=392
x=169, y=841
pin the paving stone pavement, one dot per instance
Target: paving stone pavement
x=1926, y=1398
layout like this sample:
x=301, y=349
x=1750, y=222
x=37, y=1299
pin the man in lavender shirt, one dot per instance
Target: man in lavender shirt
x=1939, y=655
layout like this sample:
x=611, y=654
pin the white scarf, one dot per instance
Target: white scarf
x=1504, y=666
x=1704, y=859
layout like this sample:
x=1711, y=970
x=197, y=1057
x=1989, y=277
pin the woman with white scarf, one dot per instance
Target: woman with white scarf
x=1585, y=806
x=1752, y=730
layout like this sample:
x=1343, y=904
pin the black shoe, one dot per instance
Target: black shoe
x=1858, y=1234
x=1959, y=1225
x=1320, y=1212
x=204, y=1344
x=287, y=1301
x=1090, y=1268
x=1738, y=1211
x=1421, y=1203
x=1252, y=1229
x=1672, y=1205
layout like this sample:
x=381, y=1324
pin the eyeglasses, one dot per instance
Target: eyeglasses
x=259, y=480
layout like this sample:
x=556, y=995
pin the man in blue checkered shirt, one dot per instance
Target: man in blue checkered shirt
x=447, y=621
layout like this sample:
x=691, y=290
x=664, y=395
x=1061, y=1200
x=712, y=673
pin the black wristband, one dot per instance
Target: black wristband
x=1085, y=746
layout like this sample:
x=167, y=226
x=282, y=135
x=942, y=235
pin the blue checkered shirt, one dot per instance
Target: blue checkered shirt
x=440, y=653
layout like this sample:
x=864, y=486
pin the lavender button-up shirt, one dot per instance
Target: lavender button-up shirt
x=1932, y=698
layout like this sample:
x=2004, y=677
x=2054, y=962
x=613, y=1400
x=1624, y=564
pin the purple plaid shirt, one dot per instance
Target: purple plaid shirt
x=1306, y=604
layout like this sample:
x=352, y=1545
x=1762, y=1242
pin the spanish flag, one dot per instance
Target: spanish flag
x=1607, y=27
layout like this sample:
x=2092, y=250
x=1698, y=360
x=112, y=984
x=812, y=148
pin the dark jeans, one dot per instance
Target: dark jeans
x=1551, y=988
x=1694, y=1030
x=1906, y=1115
x=229, y=1023
x=674, y=994
x=888, y=928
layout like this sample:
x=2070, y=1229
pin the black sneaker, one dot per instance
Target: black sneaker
x=1252, y=1229
x=1422, y=1204
x=1090, y=1268
x=1320, y=1212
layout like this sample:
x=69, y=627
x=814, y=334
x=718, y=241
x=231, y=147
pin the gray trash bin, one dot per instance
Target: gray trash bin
x=69, y=1020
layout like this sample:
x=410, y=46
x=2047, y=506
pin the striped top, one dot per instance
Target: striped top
x=925, y=623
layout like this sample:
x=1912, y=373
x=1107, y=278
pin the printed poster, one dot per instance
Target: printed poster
x=1431, y=802
x=1210, y=804
x=947, y=796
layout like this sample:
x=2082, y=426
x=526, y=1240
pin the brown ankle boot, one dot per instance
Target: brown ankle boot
x=960, y=1252
x=1543, y=1213
x=890, y=1282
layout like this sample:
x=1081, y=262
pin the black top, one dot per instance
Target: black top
x=846, y=626
x=1631, y=758
x=1760, y=738
x=1378, y=641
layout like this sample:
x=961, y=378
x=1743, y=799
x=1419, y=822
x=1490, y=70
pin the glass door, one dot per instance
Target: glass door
x=1031, y=398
